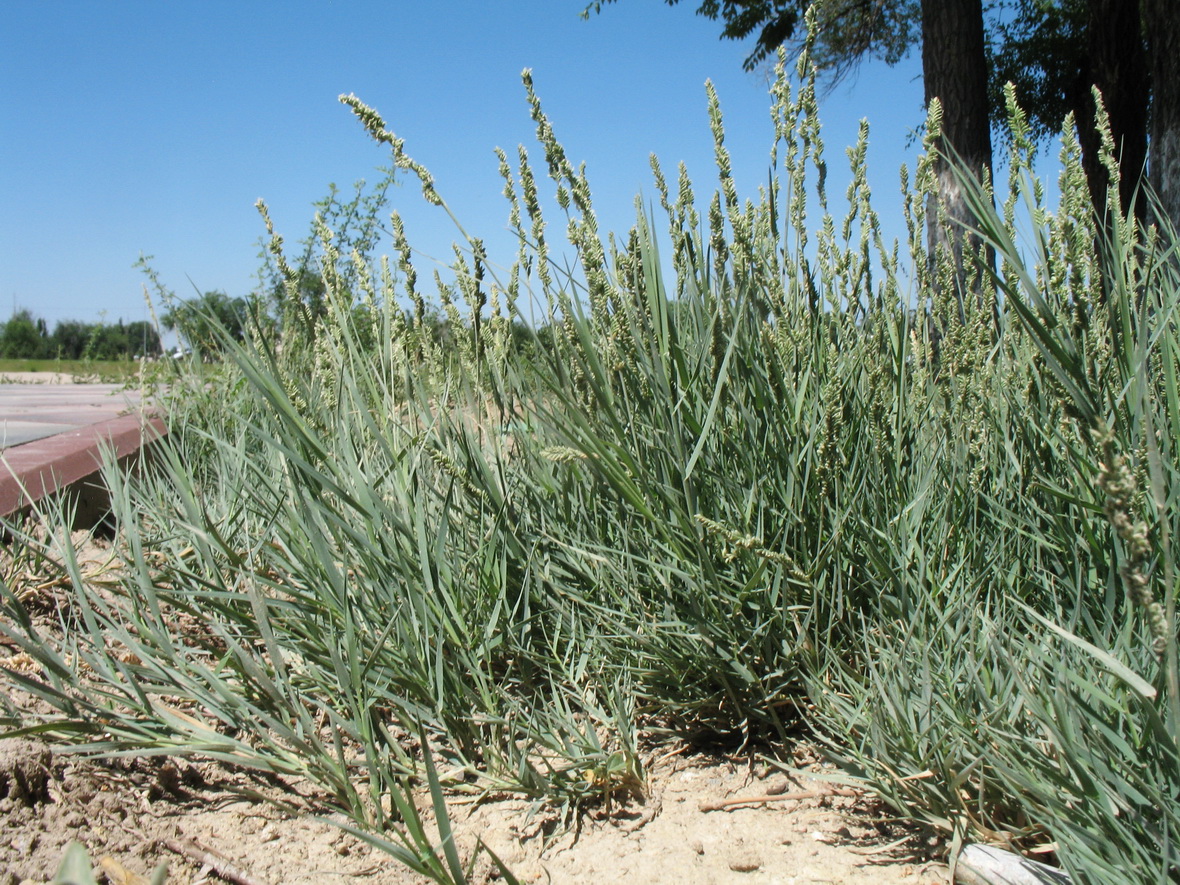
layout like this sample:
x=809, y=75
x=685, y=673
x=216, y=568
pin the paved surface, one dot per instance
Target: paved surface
x=34, y=411
x=71, y=460
x=54, y=435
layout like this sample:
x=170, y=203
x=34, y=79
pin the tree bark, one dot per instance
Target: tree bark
x=954, y=69
x=1161, y=19
x=1116, y=62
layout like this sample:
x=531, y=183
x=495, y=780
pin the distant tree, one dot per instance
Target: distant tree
x=73, y=339
x=26, y=337
x=21, y=337
x=197, y=321
x=107, y=342
x=69, y=339
x=122, y=341
x=143, y=340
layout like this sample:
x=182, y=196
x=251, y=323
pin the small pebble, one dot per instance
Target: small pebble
x=744, y=861
x=697, y=846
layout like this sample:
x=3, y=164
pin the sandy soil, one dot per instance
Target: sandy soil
x=133, y=815
x=193, y=815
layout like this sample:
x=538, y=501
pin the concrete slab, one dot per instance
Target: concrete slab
x=35, y=411
x=53, y=437
x=44, y=467
x=15, y=432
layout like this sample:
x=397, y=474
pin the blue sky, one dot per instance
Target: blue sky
x=135, y=126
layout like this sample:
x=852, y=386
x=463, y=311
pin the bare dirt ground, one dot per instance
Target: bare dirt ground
x=36, y=378
x=39, y=378
x=197, y=817
x=133, y=815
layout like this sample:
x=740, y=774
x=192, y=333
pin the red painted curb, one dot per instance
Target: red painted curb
x=35, y=469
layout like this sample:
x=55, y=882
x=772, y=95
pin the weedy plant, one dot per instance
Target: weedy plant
x=573, y=503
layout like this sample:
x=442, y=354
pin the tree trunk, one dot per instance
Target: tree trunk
x=954, y=68
x=1115, y=62
x=1162, y=21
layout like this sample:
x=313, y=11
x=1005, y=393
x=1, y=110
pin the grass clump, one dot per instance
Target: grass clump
x=576, y=503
